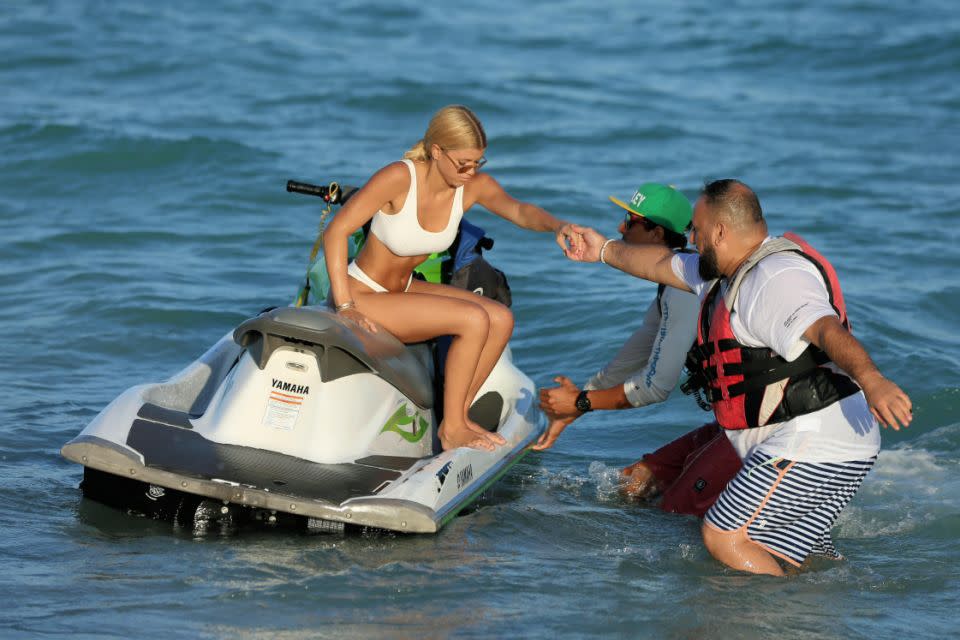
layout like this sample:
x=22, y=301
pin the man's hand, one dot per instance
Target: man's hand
x=560, y=402
x=581, y=244
x=569, y=240
x=557, y=425
x=637, y=482
x=888, y=403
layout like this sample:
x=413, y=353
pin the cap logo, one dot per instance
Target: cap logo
x=637, y=199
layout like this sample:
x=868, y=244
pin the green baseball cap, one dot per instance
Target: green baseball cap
x=660, y=204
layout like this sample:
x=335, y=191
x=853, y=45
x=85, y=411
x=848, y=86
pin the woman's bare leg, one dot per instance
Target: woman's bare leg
x=415, y=317
x=501, y=328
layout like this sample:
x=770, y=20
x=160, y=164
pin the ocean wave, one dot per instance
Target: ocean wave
x=122, y=155
x=68, y=150
x=909, y=491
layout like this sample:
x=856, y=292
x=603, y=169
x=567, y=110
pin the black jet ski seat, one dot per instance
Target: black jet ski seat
x=341, y=348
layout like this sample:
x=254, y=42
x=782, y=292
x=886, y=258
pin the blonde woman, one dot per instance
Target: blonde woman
x=416, y=206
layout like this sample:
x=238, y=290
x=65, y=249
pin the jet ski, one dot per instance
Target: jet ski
x=299, y=416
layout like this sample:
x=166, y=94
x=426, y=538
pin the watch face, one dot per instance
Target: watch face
x=583, y=402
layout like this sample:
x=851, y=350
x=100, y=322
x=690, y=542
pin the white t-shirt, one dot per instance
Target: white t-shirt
x=778, y=300
x=650, y=362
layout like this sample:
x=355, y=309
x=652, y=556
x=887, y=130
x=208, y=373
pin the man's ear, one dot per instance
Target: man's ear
x=720, y=232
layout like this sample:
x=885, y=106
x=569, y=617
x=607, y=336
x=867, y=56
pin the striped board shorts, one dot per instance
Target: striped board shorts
x=788, y=507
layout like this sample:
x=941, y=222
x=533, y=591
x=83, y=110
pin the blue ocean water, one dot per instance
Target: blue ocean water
x=142, y=214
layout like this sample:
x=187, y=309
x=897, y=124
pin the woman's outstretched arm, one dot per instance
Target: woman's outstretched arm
x=491, y=196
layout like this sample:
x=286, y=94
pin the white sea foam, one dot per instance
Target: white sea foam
x=606, y=479
x=907, y=463
x=908, y=488
x=569, y=480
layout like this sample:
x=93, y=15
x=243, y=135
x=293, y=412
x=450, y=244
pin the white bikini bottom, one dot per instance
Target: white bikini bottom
x=357, y=273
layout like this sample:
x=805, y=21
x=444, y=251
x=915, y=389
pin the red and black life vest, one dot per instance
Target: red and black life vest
x=753, y=386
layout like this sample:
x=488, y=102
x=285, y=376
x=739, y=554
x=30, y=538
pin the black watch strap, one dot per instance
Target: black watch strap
x=583, y=402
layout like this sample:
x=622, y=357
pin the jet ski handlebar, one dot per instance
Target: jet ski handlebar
x=333, y=193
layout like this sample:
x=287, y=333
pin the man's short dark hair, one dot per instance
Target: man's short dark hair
x=674, y=240
x=671, y=238
x=734, y=199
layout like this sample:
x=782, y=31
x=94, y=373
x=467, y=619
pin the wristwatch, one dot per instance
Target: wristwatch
x=583, y=402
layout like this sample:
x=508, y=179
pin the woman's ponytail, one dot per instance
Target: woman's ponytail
x=417, y=153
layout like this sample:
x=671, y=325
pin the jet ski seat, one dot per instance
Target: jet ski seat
x=341, y=349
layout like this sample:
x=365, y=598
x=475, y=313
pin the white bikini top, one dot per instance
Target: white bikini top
x=401, y=232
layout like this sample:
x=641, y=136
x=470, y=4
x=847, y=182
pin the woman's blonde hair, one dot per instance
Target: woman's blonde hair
x=452, y=127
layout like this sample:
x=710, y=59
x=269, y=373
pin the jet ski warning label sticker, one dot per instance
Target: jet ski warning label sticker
x=283, y=409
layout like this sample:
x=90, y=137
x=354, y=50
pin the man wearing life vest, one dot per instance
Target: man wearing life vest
x=688, y=473
x=797, y=395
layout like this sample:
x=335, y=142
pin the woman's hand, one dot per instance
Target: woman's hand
x=570, y=241
x=353, y=315
x=585, y=243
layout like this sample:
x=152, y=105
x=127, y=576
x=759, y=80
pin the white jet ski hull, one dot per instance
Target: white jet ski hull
x=297, y=412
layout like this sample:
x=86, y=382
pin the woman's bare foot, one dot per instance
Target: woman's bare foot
x=451, y=438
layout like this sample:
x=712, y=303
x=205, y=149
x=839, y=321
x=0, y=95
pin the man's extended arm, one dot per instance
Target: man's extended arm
x=888, y=403
x=671, y=334
x=650, y=262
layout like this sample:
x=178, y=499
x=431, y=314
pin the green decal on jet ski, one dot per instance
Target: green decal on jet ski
x=400, y=419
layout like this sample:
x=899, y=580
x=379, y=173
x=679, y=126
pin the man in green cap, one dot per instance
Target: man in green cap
x=691, y=471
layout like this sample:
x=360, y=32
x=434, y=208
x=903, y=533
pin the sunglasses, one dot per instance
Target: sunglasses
x=463, y=166
x=630, y=219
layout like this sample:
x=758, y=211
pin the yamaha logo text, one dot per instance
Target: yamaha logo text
x=280, y=385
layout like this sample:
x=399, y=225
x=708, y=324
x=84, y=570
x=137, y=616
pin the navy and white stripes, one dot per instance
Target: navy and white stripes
x=788, y=507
